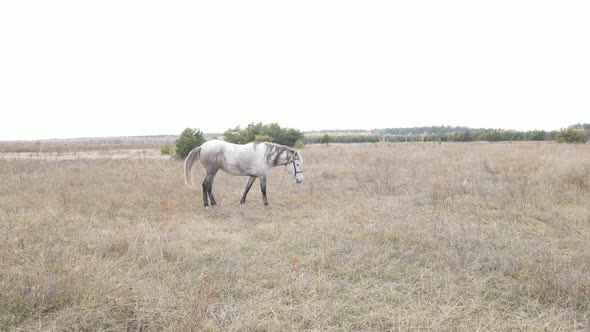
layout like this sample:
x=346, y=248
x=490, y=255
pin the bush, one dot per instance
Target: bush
x=167, y=149
x=188, y=140
x=263, y=138
x=237, y=136
x=299, y=144
x=571, y=136
x=258, y=131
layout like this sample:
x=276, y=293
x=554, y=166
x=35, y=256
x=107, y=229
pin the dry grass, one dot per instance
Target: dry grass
x=36, y=149
x=117, y=152
x=68, y=145
x=404, y=236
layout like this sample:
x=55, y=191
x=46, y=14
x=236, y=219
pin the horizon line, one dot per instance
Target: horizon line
x=304, y=131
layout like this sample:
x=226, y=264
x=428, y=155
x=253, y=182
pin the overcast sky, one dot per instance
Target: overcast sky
x=123, y=68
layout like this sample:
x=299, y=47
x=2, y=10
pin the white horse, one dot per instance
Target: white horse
x=252, y=159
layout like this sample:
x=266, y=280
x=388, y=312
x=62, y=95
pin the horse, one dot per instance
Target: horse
x=253, y=160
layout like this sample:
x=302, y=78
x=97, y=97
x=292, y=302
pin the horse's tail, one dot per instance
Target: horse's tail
x=188, y=164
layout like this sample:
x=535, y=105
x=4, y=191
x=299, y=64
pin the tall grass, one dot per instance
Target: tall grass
x=384, y=236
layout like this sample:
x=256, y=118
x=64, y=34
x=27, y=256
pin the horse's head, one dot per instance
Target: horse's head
x=295, y=167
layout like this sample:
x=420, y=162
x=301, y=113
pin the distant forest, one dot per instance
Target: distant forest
x=440, y=134
x=577, y=133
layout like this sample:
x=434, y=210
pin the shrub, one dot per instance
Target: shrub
x=167, y=149
x=263, y=138
x=188, y=140
x=299, y=144
x=253, y=131
x=571, y=136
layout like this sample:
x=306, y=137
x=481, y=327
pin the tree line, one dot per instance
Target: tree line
x=325, y=139
x=578, y=133
x=191, y=138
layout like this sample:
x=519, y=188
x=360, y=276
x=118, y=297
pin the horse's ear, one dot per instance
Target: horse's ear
x=299, y=156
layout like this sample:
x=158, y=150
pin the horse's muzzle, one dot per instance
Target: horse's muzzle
x=298, y=177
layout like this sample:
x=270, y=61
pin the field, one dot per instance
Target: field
x=68, y=145
x=399, y=236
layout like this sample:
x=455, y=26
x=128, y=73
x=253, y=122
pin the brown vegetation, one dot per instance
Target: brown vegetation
x=85, y=144
x=406, y=236
x=33, y=148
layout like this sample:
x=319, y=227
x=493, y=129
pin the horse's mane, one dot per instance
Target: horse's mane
x=273, y=151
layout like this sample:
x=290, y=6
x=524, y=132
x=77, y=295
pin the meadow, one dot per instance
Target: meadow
x=379, y=237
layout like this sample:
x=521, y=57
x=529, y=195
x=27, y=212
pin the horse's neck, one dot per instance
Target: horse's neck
x=279, y=156
x=288, y=157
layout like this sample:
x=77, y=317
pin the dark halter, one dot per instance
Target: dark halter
x=295, y=168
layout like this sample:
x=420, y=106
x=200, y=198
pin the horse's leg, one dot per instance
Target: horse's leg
x=263, y=189
x=208, y=188
x=210, y=191
x=205, y=197
x=251, y=180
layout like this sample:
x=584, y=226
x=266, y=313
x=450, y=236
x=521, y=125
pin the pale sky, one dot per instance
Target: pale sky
x=123, y=68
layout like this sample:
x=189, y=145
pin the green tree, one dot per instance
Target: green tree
x=571, y=136
x=291, y=136
x=188, y=140
x=263, y=138
x=535, y=135
x=267, y=132
x=325, y=139
x=235, y=135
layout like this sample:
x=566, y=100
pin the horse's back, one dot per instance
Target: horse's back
x=232, y=158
